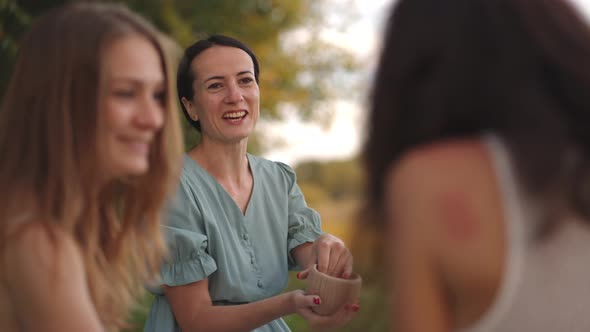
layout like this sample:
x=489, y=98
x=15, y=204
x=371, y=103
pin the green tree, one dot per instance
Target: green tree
x=298, y=68
x=13, y=22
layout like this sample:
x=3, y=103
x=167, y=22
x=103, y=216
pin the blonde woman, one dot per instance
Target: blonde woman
x=89, y=142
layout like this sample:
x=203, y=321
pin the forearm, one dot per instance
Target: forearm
x=245, y=317
x=303, y=255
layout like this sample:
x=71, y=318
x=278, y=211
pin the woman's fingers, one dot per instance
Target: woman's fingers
x=323, y=249
x=340, y=318
x=338, y=262
x=302, y=275
x=303, y=301
x=348, y=264
x=332, y=255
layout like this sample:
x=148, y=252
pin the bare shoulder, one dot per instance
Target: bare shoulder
x=36, y=248
x=444, y=210
x=451, y=162
x=41, y=257
x=448, y=190
x=44, y=277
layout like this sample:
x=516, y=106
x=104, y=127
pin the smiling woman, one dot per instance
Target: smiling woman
x=225, y=84
x=133, y=89
x=238, y=222
x=90, y=146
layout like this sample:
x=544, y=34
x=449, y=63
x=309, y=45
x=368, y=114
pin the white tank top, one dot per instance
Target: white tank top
x=546, y=283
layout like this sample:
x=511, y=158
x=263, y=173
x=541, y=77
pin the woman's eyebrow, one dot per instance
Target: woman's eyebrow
x=219, y=77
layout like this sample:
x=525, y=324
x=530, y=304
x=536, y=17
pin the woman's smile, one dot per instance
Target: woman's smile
x=235, y=117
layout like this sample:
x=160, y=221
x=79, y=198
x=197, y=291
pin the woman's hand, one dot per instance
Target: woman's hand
x=302, y=302
x=332, y=257
x=320, y=322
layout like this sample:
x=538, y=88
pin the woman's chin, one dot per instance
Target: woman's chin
x=131, y=168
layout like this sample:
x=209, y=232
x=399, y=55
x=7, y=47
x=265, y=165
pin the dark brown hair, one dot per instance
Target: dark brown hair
x=462, y=68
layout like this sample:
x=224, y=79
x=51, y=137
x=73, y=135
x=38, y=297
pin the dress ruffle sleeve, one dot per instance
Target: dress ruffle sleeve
x=188, y=259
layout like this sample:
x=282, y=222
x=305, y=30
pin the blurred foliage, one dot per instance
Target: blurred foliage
x=297, y=67
x=14, y=21
x=314, y=193
x=339, y=179
x=139, y=314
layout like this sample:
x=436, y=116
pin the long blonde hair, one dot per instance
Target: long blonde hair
x=48, y=144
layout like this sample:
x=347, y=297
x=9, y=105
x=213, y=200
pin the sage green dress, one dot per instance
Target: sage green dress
x=246, y=257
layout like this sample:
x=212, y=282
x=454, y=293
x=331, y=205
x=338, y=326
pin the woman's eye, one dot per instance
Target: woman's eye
x=160, y=96
x=124, y=93
x=214, y=86
x=247, y=80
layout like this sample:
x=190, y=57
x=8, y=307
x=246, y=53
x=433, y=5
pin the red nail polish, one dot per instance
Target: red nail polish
x=316, y=300
x=345, y=275
x=355, y=307
x=298, y=275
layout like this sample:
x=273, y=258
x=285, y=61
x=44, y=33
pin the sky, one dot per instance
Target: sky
x=343, y=136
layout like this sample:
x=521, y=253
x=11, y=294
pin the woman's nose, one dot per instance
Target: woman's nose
x=234, y=94
x=152, y=114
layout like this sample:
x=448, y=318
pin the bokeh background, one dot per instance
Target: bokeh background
x=316, y=61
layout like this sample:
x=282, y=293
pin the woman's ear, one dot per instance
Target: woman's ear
x=190, y=108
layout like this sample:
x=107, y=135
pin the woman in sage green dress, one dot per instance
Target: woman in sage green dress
x=238, y=222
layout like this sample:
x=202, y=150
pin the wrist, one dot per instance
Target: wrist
x=292, y=302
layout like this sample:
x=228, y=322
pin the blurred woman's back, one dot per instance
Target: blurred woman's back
x=479, y=126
